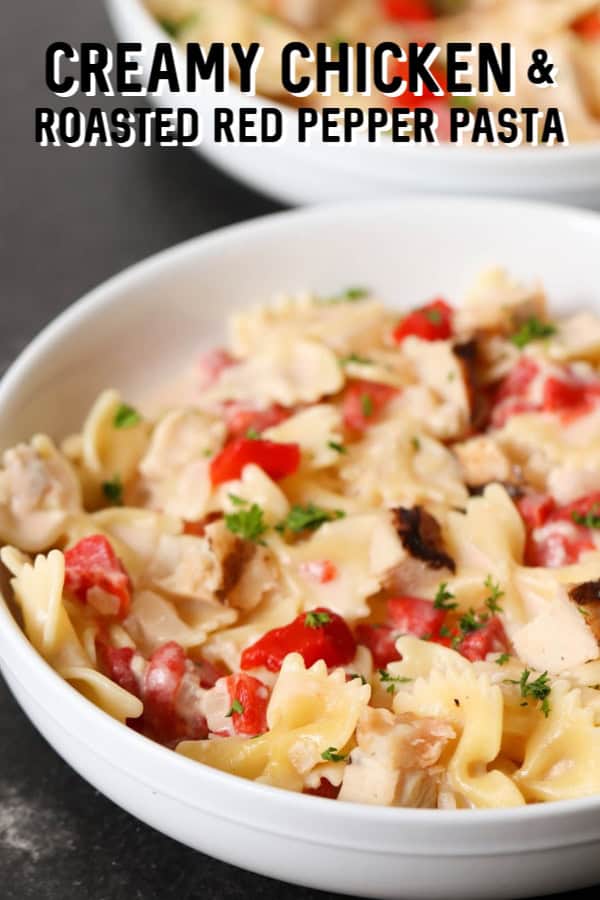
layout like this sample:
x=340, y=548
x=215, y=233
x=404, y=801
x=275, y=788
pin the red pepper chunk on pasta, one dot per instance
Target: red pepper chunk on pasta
x=381, y=641
x=408, y=10
x=92, y=570
x=242, y=420
x=276, y=460
x=364, y=401
x=249, y=700
x=433, y=322
x=489, y=638
x=412, y=615
x=319, y=634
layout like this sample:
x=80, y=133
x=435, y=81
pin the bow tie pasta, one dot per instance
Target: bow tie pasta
x=356, y=554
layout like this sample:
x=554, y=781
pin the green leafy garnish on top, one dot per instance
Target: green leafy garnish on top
x=316, y=619
x=126, y=416
x=113, y=490
x=443, y=596
x=539, y=689
x=247, y=523
x=532, y=330
x=308, y=518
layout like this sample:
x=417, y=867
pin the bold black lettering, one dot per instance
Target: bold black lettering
x=302, y=85
x=53, y=54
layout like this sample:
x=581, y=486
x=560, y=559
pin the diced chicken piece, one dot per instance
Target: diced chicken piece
x=482, y=461
x=314, y=430
x=577, y=338
x=248, y=571
x=497, y=303
x=175, y=469
x=393, y=762
x=217, y=709
x=438, y=368
x=557, y=636
x=39, y=490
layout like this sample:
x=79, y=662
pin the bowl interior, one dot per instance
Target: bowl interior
x=147, y=323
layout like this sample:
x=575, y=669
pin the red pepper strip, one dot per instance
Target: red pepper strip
x=329, y=639
x=490, y=638
x=412, y=615
x=381, y=641
x=277, y=460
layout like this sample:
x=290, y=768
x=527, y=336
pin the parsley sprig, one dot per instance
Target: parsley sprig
x=126, y=416
x=442, y=597
x=495, y=593
x=349, y=295
x=539, y=689
x=308, y=518
x=247, y=523
x=316, y=619
x=113, y=490
x=236, y=707
x=591, y=519
x=392, y=680
x=532, y=330
x=332, y=754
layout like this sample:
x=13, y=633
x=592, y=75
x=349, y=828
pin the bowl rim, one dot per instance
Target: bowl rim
x=578, y=152
x=15, y=645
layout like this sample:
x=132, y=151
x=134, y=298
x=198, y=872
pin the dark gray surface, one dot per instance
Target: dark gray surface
x=68, y=220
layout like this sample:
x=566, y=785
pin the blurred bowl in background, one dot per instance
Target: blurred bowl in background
x=317, y=172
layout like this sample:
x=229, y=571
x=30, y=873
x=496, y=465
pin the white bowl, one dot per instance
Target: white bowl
x=331, y=172
x=150, y=320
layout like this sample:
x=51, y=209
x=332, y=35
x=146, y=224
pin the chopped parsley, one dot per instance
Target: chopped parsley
x=532, y=330
x=236, y=707
x=495, y=593
x=470, y=622
x=355, y=358
x=392, y=680
x=502, y=659
x=316, y=619
x=237, y=501
x=366, y=405
x=126, y=416
x=339, y=448
x=590, y=519
x=113, y=490
x=308, y=518
x=247, y=523
x=536, y=690
x=252, y=434
x=443, y=596
x=350, y=295
x=354, y=675
x=332, y=754
x=433, y=315
x=416, y=443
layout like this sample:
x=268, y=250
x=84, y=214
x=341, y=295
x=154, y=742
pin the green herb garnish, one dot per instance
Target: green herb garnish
x=443, y=596
x=252, y=434
x=355, y=358
x=590, y=519
x=316, y=619
x=366, y=405
x=332, y=754
x=339, y=448
x=236, y=707
x=308, y=518
x=113, y=490
x=354, y=675
x=247, y=523
x=392, y=680
x=126, y=416
x=416, y=443
x=495, y=593
x=538, y=690
x=532, y=330
x=502, y=659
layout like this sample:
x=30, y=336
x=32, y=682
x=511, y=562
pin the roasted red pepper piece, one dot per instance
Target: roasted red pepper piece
x=249, y=700
x=432, y=322
x=588, y=26
x=319, y=634
x=242, y=419
x=412, y=615
x=276, y=460
x=92, y=563
x=490, y=638
x=381, y=641
x=325, y=789
x=363, y=402
x=408, y=10
x=162, y=680
x=115, y=663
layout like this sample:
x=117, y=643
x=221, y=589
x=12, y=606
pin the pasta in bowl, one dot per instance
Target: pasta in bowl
x=242, y=593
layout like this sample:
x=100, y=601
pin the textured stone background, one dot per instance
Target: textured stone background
x=68, y=220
